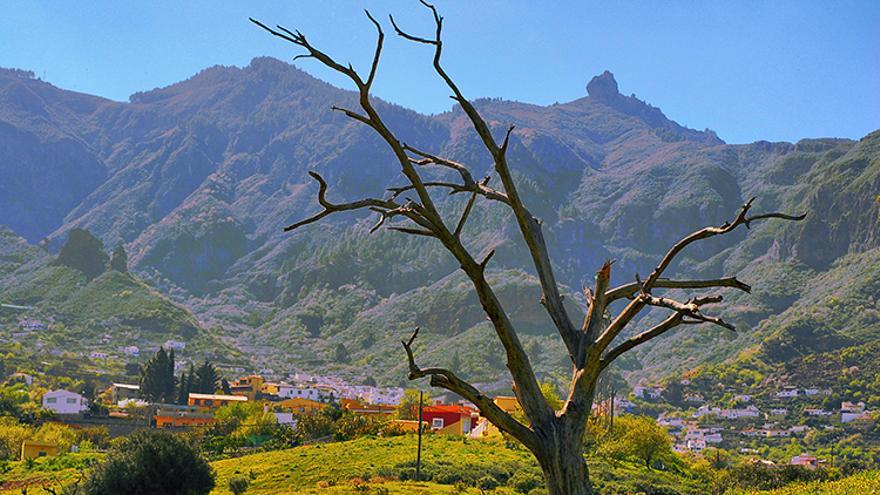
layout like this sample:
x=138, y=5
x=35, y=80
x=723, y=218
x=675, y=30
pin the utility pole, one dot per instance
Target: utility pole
x=419, y=453
x=613, y=393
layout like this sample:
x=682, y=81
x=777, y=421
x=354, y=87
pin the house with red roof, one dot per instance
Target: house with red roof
x=452, y=419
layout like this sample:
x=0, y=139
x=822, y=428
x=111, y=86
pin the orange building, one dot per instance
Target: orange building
x=247, y=386
x=181, y=417
x=213, y=401
x=298, y=405
x=359, y=407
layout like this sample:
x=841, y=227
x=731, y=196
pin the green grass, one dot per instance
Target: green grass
x=317, y=468
x=866, y=483
x=339, y=467
x=357, y=467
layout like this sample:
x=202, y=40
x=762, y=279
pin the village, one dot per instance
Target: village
x=744, y=426
x=694, y=430
x=742, y=423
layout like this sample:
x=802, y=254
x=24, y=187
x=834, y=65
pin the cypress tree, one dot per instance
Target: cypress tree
x=207, y=379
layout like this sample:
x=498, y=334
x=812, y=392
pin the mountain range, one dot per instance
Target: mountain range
x=198, y=179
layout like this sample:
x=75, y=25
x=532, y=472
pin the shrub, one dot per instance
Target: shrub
x=150, y=462
x=487, y=483
x=238, y=485
x=524, y=481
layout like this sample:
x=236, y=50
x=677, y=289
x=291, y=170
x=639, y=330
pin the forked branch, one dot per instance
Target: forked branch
x=640, y=292
x=684, y=313
x=446, y=379
x=529, y=226
x=742, y=218
x=387, y=208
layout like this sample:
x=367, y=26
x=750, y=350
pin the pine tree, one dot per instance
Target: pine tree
x=206, y=379
x=342, y=353
x=169, y=382
x=183, y=389
x=224, y=384
x=456, y=362
x=157, y=378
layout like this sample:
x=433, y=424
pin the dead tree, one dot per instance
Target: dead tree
x=555, y=437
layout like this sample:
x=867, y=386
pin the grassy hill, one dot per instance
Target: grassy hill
x=101, y=313
x=369, y=465
x=867, y=483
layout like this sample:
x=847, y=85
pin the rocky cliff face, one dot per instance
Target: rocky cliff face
x=198, y=178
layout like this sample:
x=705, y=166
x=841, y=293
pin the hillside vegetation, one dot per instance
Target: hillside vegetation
x=198, y=179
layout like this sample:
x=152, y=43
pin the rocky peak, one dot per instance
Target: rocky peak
x=603, y=87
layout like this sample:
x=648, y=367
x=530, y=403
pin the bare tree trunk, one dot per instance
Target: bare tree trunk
x=562, y=462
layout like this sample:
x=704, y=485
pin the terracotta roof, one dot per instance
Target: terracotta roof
x=450, y=409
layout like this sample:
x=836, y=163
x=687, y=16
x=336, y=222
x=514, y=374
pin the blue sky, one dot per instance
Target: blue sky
x=775, y=70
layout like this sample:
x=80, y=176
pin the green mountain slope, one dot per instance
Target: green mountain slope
x=102, y=314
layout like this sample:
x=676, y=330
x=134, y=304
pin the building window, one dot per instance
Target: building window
x=71, y=401
x=51, y=400
x=437, y=423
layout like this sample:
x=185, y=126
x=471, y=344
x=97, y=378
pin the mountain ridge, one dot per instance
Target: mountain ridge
x=199, y=178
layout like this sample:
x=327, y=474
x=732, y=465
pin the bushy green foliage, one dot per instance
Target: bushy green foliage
x=238, y=485
x=639, y=437
x=119, y=259
x=759, y=477
x=152, y=462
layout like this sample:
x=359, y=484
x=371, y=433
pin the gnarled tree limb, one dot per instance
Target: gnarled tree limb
x=444, y=378
x=742, y=218
x=529, y=226
x=629, y=290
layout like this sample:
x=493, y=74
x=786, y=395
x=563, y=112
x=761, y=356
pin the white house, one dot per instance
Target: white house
x=131, y=350
x=64, y=402
x=713, y=438
x=742, y=398
x=817, y=412
x=647, y=392
x=98, y=355
x=778, y=411
x=175, y=344
x=696, y=445
x=390, y=396
x=850, y=412
x=285, y=418
x=747, y=412
x=288, y=391
x=788, y=393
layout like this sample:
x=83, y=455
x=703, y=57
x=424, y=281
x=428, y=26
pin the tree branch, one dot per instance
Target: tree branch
x=427, y=216
x=669, y=323
x=386, y=208
x=682, y=311
x=742, y=218
x=691, y=308
x=444, y=378
x=628, y=290
x=529, y=226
